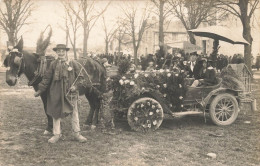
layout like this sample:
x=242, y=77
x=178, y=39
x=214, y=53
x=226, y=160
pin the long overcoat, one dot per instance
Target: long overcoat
x=57, y=80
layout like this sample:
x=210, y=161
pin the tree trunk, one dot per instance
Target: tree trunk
x=192, y=38
x=245, y=19
x=161, y=36
x=119, y=45
x=135, y=56
x=85, y=42
x=106, y=49
x=11, y=38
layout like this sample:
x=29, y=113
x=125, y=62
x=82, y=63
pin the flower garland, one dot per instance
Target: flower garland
x=145, y=115
x=168, y=84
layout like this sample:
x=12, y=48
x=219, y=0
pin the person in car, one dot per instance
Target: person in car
x=206, y=75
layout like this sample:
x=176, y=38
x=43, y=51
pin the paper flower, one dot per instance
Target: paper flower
x=169, y=74
x=142, y=105
x=181, y=105
x=155, y=122
x=153, y=106
x=136, y=75
x=161, y=70
x=136, y=118
x=121, y=82
x=165, y=85
x=143, y=89
x=132, y=82
x=164, y=95
x=176, y=75
x=167, y=70
x=182, y=71
x=180, y=97
x=170, y=105
x=127, y=81
x=150, y=113
x=180, y=85
x=157, y=111
x=123, y=77
x=146, y=75
x=149, y=125
x=69, y=68
x=148, y=103
x=157, y=86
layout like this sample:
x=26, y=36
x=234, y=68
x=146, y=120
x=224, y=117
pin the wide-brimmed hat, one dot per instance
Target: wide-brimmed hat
x=202, y=59
x=60, y=46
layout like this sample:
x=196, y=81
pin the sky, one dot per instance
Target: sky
x=52, y=12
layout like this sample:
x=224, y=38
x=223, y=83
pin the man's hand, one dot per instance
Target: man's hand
x=73, y=89
x=38, y=93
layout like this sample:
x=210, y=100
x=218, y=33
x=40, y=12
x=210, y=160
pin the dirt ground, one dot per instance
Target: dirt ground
x=180, y=141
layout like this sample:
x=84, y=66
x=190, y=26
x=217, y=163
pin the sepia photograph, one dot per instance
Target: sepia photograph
x=129, y=82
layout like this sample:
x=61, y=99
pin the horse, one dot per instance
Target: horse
x=20, y=62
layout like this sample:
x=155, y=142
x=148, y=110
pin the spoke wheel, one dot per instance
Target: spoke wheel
x=145, y=114
x=224, y=109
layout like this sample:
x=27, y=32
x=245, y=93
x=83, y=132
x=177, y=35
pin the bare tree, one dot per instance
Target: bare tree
x=87, y=16
x=120, y=33
x=13, y=16
x=164, y=10
x=109, y=33
x=136, y=30
x=72, y=26
x=193, y=12
x=243, y=9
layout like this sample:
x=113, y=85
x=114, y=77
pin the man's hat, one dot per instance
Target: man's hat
x=61, y=46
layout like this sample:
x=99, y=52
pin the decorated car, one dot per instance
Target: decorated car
x=144, y=97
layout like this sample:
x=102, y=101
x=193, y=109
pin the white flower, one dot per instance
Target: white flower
x=164, y=95
x=149, y=125
x=143, y=89
x=132, y=82
x=161, y=70
x=123, y=77
x=127, y=81
x=69, y=68
x=121, y=82
x=170, y=105
x=157, y=86
x=153, y=106
x=181, y=105
x=180, y=97
x=180, y=85
x=182, y=71
x=150, y=113
x=154, y=122
x=165, y=85
x=169, y=74
x=157, y=111
x=146, y=75
x=167, y=70
x=136, y=118
x=108, y=78
x=136, y=75
x=148, y=103
x=176, y=75
x=142, y=105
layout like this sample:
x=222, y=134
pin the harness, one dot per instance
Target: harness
x=21, y=62
x=43, y=62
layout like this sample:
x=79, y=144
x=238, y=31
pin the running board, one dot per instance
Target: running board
x=186, y=113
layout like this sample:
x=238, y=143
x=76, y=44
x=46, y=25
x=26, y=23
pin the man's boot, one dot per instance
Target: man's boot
x=79, y=137
x=54, y=138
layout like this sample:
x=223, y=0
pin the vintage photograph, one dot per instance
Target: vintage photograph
x=129, y=82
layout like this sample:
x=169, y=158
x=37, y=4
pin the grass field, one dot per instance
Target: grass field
x=182, y=141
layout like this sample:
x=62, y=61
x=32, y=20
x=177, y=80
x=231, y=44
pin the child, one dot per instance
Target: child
x=62, y=95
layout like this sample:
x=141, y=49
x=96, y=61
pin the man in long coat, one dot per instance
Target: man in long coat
x=62, y=94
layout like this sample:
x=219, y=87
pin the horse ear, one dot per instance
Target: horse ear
x=19, y=46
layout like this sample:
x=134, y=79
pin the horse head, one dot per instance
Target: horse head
x=13, y=62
